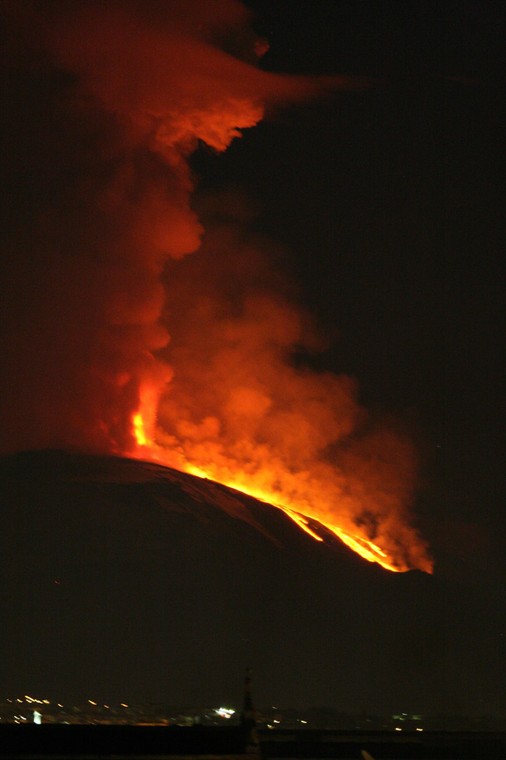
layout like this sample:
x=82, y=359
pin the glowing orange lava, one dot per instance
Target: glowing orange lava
x=139, y=432
x=147, y=449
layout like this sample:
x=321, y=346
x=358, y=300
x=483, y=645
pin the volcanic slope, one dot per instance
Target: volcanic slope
x=125, y=580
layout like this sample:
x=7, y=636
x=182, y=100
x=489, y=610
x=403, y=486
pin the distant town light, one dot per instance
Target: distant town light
x=224, y=712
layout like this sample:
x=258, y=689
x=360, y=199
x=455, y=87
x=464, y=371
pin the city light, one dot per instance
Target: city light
x=224, y=712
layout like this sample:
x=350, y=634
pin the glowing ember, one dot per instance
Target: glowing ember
x=138, y=430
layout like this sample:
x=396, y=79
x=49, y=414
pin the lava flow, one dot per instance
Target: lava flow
x=302, y=515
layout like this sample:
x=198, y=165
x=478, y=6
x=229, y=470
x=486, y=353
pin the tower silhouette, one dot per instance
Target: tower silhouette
x=248, y=717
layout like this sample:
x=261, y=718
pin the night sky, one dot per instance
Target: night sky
x=388, y=200
x=380, y=201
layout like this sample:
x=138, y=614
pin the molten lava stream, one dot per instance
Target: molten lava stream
x=147, y=449
x=139, y=431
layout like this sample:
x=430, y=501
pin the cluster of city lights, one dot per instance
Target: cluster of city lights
x=405, y=717
x=36, y=716
x=31, y=700
x=34, y=701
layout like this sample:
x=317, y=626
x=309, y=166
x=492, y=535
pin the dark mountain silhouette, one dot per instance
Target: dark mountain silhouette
x=124, y=580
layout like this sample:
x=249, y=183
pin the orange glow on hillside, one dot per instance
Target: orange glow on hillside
x=148, y=450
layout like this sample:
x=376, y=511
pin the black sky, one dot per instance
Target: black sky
x=388, y=201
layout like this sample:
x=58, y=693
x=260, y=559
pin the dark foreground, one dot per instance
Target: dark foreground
x=131, y=742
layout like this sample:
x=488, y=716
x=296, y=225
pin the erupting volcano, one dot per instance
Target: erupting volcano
x=266, y=483
x=136, y=326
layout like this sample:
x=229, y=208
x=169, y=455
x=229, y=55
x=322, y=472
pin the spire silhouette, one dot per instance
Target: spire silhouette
x=248, y=717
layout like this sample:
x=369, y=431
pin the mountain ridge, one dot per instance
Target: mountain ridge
x=124, y=580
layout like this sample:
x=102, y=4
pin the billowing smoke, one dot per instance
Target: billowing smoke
x=105, y=314
x=104, y=104
x=245, y=408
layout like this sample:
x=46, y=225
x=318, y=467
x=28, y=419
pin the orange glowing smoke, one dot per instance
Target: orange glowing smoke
x=120, y=341
x=300, y=504
x=238, y=410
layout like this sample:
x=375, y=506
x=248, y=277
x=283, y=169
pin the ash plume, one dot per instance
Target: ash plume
x=103, y=313
x=104, y=103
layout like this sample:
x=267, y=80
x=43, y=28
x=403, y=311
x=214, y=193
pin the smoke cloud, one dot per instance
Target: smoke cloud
x=104, y=312
x=104, y=104
x=247, y=414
